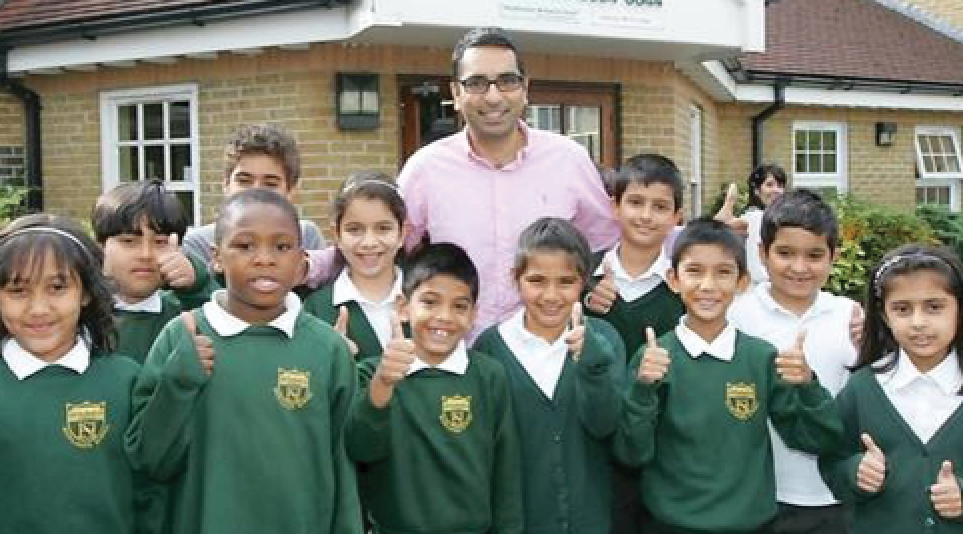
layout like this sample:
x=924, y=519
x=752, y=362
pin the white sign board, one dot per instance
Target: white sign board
x=585, y=14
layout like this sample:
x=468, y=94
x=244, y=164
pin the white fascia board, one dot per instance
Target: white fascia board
x=755, y=30
x=810, y=96
x=306, y=26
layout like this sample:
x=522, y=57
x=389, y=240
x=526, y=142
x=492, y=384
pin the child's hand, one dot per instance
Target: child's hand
x=341, y=327
x=856, y=321
x=655, y=360
x=727, y=213
x=398, y=355
x=175, y=268
x=603, y=295
x=576, y=337
x=203, y=344
x=872, y=467
x=945, y=494
x=791, y=363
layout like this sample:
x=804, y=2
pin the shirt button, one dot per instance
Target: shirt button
x=557, y=438
x=929, y=522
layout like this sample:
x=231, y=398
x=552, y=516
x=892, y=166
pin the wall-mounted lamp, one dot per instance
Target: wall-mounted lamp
x=885, y=133
x=358, y=106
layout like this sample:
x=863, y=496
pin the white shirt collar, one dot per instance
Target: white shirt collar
x=723, y=347
x=946, y=375
x=344, y=290
x=514, y=328
x=455, y=363
x=227, y=325
x=151, y=304
x=822, y=304
x=24, y=364
x=658, y=268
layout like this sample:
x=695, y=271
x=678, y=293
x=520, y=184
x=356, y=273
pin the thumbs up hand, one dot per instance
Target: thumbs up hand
x=341, y=327
x=945, y=494
x=603, y=295
x=655, y=360
x=872, y=467
x=203, y=344
x=576, y=338
x=174, y=267
x=791, y=363
x=727, y=213
x=396, y=359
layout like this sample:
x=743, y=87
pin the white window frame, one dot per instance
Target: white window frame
x=954, y=186
x=816, y=180
x=110, y=102
x=695, y=147
x=954, y=134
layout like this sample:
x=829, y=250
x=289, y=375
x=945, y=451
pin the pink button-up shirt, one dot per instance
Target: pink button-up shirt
x=455, y=196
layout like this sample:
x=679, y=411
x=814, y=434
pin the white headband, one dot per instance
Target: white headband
x=45, y=230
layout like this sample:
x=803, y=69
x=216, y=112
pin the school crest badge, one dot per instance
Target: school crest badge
x=294, y=388
x=741, y=399
x=86, y=424
x=455, y=413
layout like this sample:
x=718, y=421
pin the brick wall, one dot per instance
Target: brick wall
x=11, y=140
x=882, y=174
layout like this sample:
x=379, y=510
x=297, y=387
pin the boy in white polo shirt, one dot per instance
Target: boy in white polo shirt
x=799, y=238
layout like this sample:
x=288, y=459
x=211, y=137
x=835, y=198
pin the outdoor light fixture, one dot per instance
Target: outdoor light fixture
x=358, y=106
x=885, y=133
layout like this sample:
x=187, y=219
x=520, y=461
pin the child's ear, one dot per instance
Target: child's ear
x=216, y=260
x=835, y=252
x=743, y=283
x=672, y=280
x=85, y=300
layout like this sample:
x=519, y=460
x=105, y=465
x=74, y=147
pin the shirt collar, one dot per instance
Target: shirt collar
x=24, y=364
x=344, y=290
x=151, y=304
x=658, y=268
x=227, y=325
x=946, y=375
x=723, y=347
x=821, y=305
x=514, y=327
x=522, y=152
x=455, y=363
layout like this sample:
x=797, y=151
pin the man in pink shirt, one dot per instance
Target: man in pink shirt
x=481, y=187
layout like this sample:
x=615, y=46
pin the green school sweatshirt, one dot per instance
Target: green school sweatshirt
x=702, y=439
x=256, y=447
x=442, y=457
x=62, y=462
x=565, y=439
x=319, y=304
x=136, y=331
x=903, y=506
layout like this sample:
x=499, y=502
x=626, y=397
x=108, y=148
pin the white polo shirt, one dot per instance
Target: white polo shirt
x=829, y=351
x=924, y=400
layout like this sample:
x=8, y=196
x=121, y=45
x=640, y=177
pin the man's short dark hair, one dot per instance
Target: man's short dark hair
x=438, y=259
x=708, y=231
x=484, y=37
x=647, y=169
x=800, y=208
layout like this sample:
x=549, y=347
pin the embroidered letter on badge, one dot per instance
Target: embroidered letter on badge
x=455, y=413
x=294, y=388
x=741, y=399
x=86, y=424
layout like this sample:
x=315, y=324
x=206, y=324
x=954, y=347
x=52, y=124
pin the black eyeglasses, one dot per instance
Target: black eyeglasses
x=505, y=82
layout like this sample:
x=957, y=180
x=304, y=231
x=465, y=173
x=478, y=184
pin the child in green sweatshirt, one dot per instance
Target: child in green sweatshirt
x=65, y=396
x=243, y=401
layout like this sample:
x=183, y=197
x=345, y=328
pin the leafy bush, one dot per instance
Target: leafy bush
x=12, y=199
x=947, y=226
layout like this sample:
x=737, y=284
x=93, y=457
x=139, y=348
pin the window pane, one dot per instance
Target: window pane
x=943, y=196
x=187, y=201
x=928, y=165
x=952, y=164
x=801, y=163
x=180, y=120
x=947, y=144
x=921, y=195
x=154, y=121
x=940, y=163
x=814, y=141
x=800, y=140
x=180, y=162
x=815, y=163
x=829, y=163
x=128, y=164
x=127, y=122
x=583, y=127
x=924, y=143
x=829, y=141
x=153, y=162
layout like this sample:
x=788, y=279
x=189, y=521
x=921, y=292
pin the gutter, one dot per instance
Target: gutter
x=110, y=24
x=779, y=102
x=33, y=150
